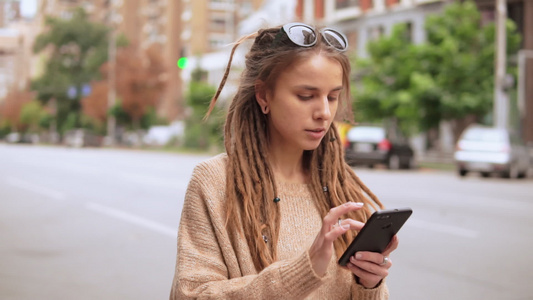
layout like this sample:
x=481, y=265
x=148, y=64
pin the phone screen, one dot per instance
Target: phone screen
x=377, y=232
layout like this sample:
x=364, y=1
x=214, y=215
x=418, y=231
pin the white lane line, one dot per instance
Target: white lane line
x=449, y=229
x=38, y=189
x=124, y=216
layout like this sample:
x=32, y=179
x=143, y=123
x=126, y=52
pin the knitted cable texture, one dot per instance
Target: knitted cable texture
x=213, y=263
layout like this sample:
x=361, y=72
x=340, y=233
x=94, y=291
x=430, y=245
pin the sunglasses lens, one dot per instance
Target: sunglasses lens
x=301, y=35
x=335, y=39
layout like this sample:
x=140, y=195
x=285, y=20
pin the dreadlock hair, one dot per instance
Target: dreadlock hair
x=251, y=185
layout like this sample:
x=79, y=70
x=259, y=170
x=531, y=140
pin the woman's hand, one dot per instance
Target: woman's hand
x=371, y=267
x=322, y=249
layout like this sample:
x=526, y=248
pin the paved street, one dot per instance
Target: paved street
x=101, y=224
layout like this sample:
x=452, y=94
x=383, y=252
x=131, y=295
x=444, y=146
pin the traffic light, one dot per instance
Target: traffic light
x=182, y=62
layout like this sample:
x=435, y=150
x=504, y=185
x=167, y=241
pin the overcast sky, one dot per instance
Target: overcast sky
x=28, y=7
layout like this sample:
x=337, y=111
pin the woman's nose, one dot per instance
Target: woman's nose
x=323, y=110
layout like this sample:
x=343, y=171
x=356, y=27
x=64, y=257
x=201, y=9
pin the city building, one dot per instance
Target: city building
x=210, y=25
x=16, y=39
x=365, y=20
x=144, y=23
x=9, y=12
x=209, y=29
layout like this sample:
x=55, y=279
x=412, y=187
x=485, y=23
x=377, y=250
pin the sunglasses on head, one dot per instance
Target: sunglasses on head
x=306, y=36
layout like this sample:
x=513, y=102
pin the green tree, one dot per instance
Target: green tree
x=462, y=51
x=34, y=116
x=77, y=48
x=200, y=134
x=449, y=77
x=383, y=87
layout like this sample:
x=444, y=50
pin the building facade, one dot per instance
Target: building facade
x=16, y=40
x=211, y=25
x=143, y=23
x=365, y=20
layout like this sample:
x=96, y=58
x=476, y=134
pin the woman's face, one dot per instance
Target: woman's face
x=304, y=103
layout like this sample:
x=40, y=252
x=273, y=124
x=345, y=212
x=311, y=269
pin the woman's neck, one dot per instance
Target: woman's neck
x=288, y=167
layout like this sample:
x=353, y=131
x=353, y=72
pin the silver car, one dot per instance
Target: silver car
x=490, y=150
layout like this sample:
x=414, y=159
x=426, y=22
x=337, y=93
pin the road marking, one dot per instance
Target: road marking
x=454, y=230
x=38, y=189
x=131, y=218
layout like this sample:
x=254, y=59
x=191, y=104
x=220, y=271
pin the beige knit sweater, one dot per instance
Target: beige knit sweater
x=213, y=263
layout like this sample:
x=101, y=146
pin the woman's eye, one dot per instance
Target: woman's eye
x=305, y=97
x=333, y=98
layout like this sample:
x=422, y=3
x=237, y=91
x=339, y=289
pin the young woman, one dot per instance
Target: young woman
x=269, y=218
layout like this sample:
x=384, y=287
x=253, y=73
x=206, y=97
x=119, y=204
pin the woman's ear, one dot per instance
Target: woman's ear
x=261, y=96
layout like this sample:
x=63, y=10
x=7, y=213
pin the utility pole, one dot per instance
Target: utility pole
x=111, y=91
x=501, y=102
x=523, y=55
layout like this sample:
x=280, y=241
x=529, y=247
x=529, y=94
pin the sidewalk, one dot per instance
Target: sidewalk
x=436, y=160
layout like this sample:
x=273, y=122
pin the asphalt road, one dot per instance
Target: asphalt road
x=101, y=224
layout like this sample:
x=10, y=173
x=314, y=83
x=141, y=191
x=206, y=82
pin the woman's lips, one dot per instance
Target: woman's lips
x=316, y=133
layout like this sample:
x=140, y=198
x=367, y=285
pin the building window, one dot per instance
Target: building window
x=216, y=43
x=340, y=4
x=409, y=31
x=218, y=23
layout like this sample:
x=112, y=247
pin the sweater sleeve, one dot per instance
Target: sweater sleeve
x=202, y=270
x=359, y=292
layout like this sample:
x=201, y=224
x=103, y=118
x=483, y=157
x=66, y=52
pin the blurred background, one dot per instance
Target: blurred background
x=101, y=107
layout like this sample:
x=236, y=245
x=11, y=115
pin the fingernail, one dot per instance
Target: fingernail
x=358, y=255
x=359, y=203
x=346, y=226
x=348, y=203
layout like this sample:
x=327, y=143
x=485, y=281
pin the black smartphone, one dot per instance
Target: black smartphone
x=377, y=232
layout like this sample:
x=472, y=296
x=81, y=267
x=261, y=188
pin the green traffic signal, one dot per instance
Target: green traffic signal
x=182, y=62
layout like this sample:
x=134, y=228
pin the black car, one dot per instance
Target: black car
x=374, y=145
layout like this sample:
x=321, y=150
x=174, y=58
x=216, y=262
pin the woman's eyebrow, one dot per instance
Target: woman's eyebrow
x=312, y=88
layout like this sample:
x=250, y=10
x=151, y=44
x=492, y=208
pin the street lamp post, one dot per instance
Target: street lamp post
x=501, y=103
x=523, y=55
x=111, y=91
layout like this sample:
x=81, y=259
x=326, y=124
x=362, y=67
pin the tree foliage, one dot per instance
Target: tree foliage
x=449, y=77
x=140, y=83
x=12, y=106
x=76, y=48
x=34, y=116
x=200, y=133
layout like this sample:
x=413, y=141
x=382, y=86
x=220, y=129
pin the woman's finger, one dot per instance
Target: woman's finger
x=371, y=261
x=354, y=225
x=322, y=248
x=336, y=232
x=337, y=212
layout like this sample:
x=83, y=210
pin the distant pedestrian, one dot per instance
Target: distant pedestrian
x=269, y=218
